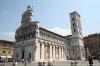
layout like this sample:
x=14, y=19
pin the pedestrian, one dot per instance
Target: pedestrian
x=90, y=61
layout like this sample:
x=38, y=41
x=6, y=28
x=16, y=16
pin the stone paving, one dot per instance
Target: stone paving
x=56, y=63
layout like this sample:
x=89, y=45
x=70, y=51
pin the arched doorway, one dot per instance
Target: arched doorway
x=23, y=53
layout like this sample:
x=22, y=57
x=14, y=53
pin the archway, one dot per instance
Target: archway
x=23, y=53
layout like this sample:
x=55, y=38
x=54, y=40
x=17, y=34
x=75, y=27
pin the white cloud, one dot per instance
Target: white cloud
x=8, y=33
x=61, y=31
x=7, y=36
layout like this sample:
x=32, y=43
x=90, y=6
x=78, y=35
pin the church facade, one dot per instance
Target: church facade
x=39, y=44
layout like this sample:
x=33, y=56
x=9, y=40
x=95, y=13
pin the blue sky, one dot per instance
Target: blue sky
x=52, y=15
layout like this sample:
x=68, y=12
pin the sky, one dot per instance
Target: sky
x=52, y=15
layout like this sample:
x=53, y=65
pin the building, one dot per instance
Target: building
x=76, y=46
x=39, y=44
x=6, y=49
x=92, y=42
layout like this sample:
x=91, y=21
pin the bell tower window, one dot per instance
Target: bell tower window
x=73, y=19
x=74, y=30
x=73, y=24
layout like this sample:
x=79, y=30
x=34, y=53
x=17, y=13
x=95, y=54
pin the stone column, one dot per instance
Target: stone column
x=59, y=53
x=54, y=52
x=45, y=52
x=42, y=52
x=62, y=53
x=81, y=52
x=48, y=49
x=50, y=52
x=37, y=53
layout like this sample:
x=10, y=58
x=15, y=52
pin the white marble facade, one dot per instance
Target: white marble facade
x=39, y=44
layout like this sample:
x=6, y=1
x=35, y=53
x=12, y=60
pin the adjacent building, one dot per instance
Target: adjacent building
x=39, y=44
x=6, y=49
x=92, y=45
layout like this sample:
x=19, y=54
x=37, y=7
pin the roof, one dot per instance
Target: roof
x=51, y=32
x=92, y=35
x=75, y=13
x=68, y=36
x=7, y=41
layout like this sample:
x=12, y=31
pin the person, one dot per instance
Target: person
x=90, y=61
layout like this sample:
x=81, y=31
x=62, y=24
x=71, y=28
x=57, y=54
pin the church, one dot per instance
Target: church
x=39, y=44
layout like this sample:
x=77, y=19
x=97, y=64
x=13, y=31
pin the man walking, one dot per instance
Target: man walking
x=90, y=61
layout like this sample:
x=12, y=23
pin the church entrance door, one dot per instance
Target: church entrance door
x=23, y=52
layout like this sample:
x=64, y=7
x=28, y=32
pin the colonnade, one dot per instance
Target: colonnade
x=50, y=52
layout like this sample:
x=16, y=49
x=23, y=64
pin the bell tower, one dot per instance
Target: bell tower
x=76, y=24
x=77, y=38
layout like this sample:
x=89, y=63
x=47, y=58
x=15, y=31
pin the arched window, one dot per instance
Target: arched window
x=29, y=55
x=73, y=19
x=3, y=52
x=74, y=30
x=17, y=55
x=23, y=52
x=73, y=24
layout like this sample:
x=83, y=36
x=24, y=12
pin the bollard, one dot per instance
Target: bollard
x=13, y=63
x=16, y=63
x=72, y=63
x=75, y=63
x=25, y=63
x=50, y=64
x=4, y=63
x=43, y=64
x=39, y=63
